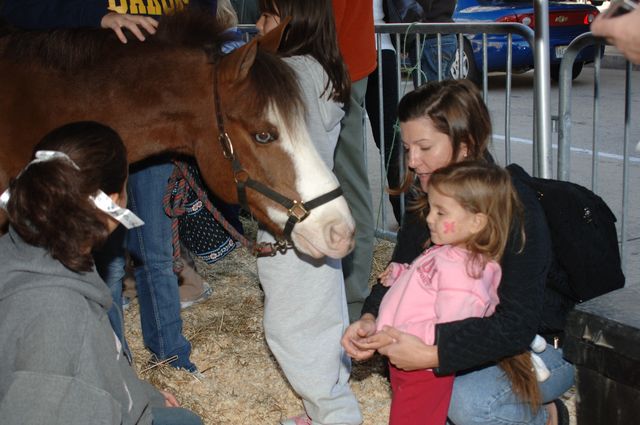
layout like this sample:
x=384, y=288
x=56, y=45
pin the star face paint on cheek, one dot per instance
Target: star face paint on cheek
x=449, y=227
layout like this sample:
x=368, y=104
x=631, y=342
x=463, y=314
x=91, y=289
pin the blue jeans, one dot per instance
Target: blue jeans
x=174, y=416
x=151, y=249
x=110, y=264
x=429, y=58
x=485, y=396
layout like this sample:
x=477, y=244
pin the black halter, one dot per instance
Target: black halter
x=296, y=210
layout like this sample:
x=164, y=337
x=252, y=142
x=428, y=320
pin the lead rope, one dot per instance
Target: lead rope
x=174, y=208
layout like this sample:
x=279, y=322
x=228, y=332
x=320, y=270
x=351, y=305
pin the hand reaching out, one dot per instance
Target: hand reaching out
x=621, y=31
x=386, y=276
x=134, y=23
x=356, y=332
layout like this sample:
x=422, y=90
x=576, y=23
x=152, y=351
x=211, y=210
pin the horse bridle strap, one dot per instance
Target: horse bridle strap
x=296, y=210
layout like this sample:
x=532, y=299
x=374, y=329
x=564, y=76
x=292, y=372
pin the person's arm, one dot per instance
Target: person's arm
x=475, y=342
x=457, y=296
x=65, y=14
x=52, y=14
x=622, y=31
x=411, y=240
x=43, y=387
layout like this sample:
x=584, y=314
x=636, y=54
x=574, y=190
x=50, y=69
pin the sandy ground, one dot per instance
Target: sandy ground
x=241, y=381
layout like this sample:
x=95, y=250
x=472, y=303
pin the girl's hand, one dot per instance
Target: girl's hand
x=408, y=352
x=169, y=399
x=134, y=23
x=385, y=276
x=375, y=342
x=356, y=332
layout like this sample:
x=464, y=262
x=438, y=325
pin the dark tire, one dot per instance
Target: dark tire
x=469, y=68
x=575, y=72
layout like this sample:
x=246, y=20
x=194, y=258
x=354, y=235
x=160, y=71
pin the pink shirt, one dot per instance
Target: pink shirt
x=436, y=288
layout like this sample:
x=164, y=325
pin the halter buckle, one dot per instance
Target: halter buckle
x=299, y=211
x=227, y=146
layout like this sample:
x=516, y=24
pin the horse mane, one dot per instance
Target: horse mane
x=82, y=48
x=92, y=50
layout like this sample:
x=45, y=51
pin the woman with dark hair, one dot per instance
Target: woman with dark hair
x=62, y=363
x=444, y=123
x=305, y=310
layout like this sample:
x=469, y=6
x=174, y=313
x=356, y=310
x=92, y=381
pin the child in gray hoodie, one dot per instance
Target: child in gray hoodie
x=61, y=361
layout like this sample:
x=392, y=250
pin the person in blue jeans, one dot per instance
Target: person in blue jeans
x=443, y=123
x=427, y=11
x=150, y=246
x=429, y=57
x=151, y=249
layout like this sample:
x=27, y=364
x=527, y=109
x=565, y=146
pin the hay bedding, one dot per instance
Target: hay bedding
x=242, y=382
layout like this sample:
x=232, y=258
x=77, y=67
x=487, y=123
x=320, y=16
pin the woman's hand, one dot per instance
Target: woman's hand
x=134, y=23
x=408, y=352
x=356, y=332
x=169, y=399
x=622, y=31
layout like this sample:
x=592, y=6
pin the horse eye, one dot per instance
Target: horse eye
x=264, y=137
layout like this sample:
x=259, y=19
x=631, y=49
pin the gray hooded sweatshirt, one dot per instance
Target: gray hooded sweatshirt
x=60, y=362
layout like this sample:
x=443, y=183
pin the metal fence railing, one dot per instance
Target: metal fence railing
x=416, y=33
x=616, y=194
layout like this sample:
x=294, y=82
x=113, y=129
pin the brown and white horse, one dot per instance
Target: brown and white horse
x=173, y=94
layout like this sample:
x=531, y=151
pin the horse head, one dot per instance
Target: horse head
x=262, y=132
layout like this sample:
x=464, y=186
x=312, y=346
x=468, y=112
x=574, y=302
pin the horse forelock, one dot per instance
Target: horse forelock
x=82, y=48
x=272, y=83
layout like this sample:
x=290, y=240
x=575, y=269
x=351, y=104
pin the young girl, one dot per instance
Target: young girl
x=471, y=208
x=63, y=363
x=305, y=310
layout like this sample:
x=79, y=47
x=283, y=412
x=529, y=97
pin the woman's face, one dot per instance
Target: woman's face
x=426, y=148
x=267, y=22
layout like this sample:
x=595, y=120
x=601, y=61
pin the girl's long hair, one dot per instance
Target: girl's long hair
x=312, y=31
x=49, y=204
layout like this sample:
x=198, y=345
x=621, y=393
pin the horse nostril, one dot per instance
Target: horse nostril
x=339, y=234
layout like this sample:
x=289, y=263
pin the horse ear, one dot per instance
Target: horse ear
x=271, y=40
x=235, y=66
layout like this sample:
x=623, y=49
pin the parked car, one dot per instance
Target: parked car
x=566, y=22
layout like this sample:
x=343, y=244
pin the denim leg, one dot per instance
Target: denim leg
x=429, y=56
x=151, y=248
x=485, y=396
x=110, y=264
x=174, y=416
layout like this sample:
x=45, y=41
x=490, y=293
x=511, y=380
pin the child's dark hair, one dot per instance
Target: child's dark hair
x=312, y=31
x=481, y=187
x=49, y=203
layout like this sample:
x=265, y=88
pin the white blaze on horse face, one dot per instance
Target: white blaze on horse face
x=329, y=228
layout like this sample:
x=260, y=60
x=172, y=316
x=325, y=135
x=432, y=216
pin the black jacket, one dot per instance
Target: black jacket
x=477, y=342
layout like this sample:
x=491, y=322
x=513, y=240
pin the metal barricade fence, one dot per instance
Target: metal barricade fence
x=416, y=33
x=541, y=157
x=621, y=200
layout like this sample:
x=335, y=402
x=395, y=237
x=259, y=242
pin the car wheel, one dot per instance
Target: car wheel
x=577, y=69
x=469, y=70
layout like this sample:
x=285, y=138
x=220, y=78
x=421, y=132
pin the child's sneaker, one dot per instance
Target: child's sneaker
x=542, y=372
